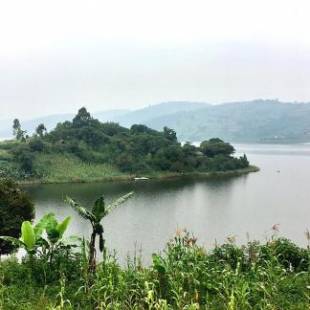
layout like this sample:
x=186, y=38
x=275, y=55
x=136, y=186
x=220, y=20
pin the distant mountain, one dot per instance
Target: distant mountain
x=258, y=121
x=144, y=115
x=124, y=117
x=264, y=121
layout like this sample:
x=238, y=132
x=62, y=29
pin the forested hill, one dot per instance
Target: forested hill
x=109, y=149
x=265, y=121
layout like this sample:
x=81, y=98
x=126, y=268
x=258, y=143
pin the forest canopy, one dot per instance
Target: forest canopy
x=137, y=149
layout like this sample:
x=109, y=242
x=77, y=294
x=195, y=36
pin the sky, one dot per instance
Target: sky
x=56, y=56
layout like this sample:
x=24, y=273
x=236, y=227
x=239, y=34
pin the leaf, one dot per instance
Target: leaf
x=81, y=210
x=72, y=240
x=53, y=235
x=158, y=263
x=42, y=224
x=99, y=209
x=118, y=202
x=62, y=227
x=13, y=240
x=51, y=228
x=43, y=243
x=28, y=235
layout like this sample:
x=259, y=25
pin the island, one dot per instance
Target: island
x=87, y=150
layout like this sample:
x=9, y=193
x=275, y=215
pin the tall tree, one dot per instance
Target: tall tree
x=82, y=118
x=17, y=130
x=41, y=130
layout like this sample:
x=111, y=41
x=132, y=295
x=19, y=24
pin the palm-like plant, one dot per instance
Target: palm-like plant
x=54, y=229
x=98, y=212
x=31, y=235
x=29, y=238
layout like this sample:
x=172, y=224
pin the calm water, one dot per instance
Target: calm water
x=211, y=209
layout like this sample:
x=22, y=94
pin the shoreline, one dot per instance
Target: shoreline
x=154, y=176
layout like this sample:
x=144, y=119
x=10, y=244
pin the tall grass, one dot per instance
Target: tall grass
x=57, y=168
x=274, y=275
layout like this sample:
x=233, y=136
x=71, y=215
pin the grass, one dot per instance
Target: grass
x=274, y=275
x=67, y=168
x=58, y=168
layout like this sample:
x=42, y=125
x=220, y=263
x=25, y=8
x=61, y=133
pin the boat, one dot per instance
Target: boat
x=141, y=178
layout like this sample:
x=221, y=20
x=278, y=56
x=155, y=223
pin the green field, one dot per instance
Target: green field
x=68, y=168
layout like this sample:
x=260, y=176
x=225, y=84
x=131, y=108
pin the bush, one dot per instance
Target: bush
x=15, y=207
x=36, y=145
x=185, y=276
x=290, y=255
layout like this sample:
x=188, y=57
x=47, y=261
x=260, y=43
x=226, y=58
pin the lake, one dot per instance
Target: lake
x=245, y=206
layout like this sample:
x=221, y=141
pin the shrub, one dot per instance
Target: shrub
x=15, y=207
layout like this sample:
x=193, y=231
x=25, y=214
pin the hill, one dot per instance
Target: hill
x=265, y=121
x=162, y=110
x=125, y=117
x=86, y=149
x=258, y=121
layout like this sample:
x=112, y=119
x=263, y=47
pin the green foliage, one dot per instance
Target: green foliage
x=28, y=236
x=15, y=207
x=19, y=134
x=216, y=147
x=68, y=168
x=24, y=156
x=185, y=276
x=99, y=211
x=132, y=151
x=55, y=230
x=41, y=130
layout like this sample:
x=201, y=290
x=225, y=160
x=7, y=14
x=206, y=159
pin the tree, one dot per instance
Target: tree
x=25, y=156
x=83, y=117
x=216, y=146
x=19, y=134
x=170, y=134
x=16, y=126
x=15, y=207
x=98, y=212
x=41, y=130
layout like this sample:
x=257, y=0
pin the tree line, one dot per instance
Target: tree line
x=137, y=149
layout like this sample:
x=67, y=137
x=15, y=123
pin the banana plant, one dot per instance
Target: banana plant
x=54, y=229
x=98, y=212
x=30, y=240
x=31, y=235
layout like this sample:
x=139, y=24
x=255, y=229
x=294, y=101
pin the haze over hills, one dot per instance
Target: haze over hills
x=124, y=117
x=158, y=111
x=51, y=121
x=265, y=121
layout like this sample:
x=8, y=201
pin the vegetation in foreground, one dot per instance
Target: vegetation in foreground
x=58, y=272
x=274, y=275
x=87, y=150
x=15, y=208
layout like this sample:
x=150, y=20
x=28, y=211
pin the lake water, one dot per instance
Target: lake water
x=212, y=210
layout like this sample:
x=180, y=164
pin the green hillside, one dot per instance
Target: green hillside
x=85, y=149
x=254, y=121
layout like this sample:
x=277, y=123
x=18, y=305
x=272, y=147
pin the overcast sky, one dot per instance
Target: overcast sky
x=56, y=56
